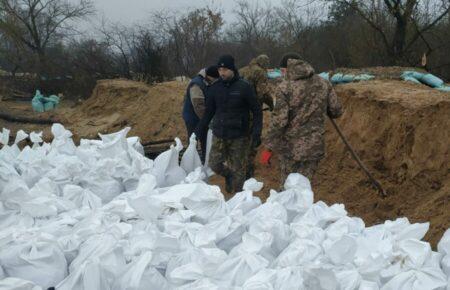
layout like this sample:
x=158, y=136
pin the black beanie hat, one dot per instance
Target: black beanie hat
x=227, y=61
x=212, y=72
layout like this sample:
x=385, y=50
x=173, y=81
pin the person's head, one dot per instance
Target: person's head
x=298, y=69
x=226, y=66
x=288, y=56
x=211, y=74
x=263, y=61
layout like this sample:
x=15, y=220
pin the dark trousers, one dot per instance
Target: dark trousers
x=191, y=129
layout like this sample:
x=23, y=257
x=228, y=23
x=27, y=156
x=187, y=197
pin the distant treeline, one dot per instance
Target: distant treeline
x=39, y=38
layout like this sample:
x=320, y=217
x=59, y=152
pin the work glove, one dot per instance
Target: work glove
x=256, y=141
x=266, y=156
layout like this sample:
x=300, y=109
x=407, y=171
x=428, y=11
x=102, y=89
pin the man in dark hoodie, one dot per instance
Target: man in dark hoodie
x=230, y=102
x=195, y=103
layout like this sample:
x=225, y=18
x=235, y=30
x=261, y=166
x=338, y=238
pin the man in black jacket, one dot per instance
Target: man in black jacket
x=230, y=102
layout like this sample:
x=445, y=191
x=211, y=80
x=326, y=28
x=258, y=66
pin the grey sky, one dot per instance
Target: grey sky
x=133, y=11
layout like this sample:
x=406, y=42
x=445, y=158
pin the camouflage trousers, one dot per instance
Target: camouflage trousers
x=288, y=166
x=228, y=158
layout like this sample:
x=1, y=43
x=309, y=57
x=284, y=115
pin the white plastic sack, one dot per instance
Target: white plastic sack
x=207, y=206
x=41, y=262
x=115, y=145
x=444, y=243
x=190, y=159
x=298, y=253
x=96, y=273
x=342, y=251
x=258, y=243
x=140, y=275
x=296, y=180
x=166, y=166
x=62, y=142
x=253, y=185
x=209, y=138
x=423, y=279
x=12, y=283
x=81, y=197
x=244, y=201
x=36, y=138
x=236, y=271
x=4, y=136
x=296, y=200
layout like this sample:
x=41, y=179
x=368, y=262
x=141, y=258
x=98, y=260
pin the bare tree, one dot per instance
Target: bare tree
x=409, y=24
x=36, y=23
x=120, y=39
x=191, y=37
x=297, y=22
x=256, y=25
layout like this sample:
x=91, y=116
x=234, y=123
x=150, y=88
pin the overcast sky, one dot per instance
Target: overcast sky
x=133, y=11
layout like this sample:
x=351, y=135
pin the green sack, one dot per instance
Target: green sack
x=48, y=106
x=444, y=88
x=412, y=74
x=325, y=76
x=364, y=77
x=37, y=103
x=54, y=99
x=411, y=79
x=432, y=80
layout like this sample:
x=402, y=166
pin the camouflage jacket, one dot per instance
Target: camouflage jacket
x=256, y=74
x=297, y=124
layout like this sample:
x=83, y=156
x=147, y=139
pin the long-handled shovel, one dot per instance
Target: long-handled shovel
x=358, y=160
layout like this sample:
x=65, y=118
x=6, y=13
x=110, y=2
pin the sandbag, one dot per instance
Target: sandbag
x=39, y=261
x=37, y=103
x=432, y=80
x=299, y=252
x=444, y=88
x=423, y=279
x=236, y=271
x=96, y=273
x=11, y=283
x=190, y=159
x=81, y=197
x=139, y=275
x=166, y=166
x=206, y=206
x=444, y=244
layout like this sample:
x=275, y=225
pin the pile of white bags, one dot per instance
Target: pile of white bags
x=102, y=216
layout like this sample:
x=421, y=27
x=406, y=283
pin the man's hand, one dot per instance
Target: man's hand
x=256, y=141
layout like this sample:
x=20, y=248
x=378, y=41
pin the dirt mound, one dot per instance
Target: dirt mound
x=153, y=112
x=401, y=132
x=379, y=72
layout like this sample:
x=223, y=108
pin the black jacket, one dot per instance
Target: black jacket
x=230, y=104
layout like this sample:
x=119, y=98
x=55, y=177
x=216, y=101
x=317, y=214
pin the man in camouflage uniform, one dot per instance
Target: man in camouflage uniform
x=297, y=126
x=256, y=74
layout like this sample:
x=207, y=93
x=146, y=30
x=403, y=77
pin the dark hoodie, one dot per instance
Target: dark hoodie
x=230, y=102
